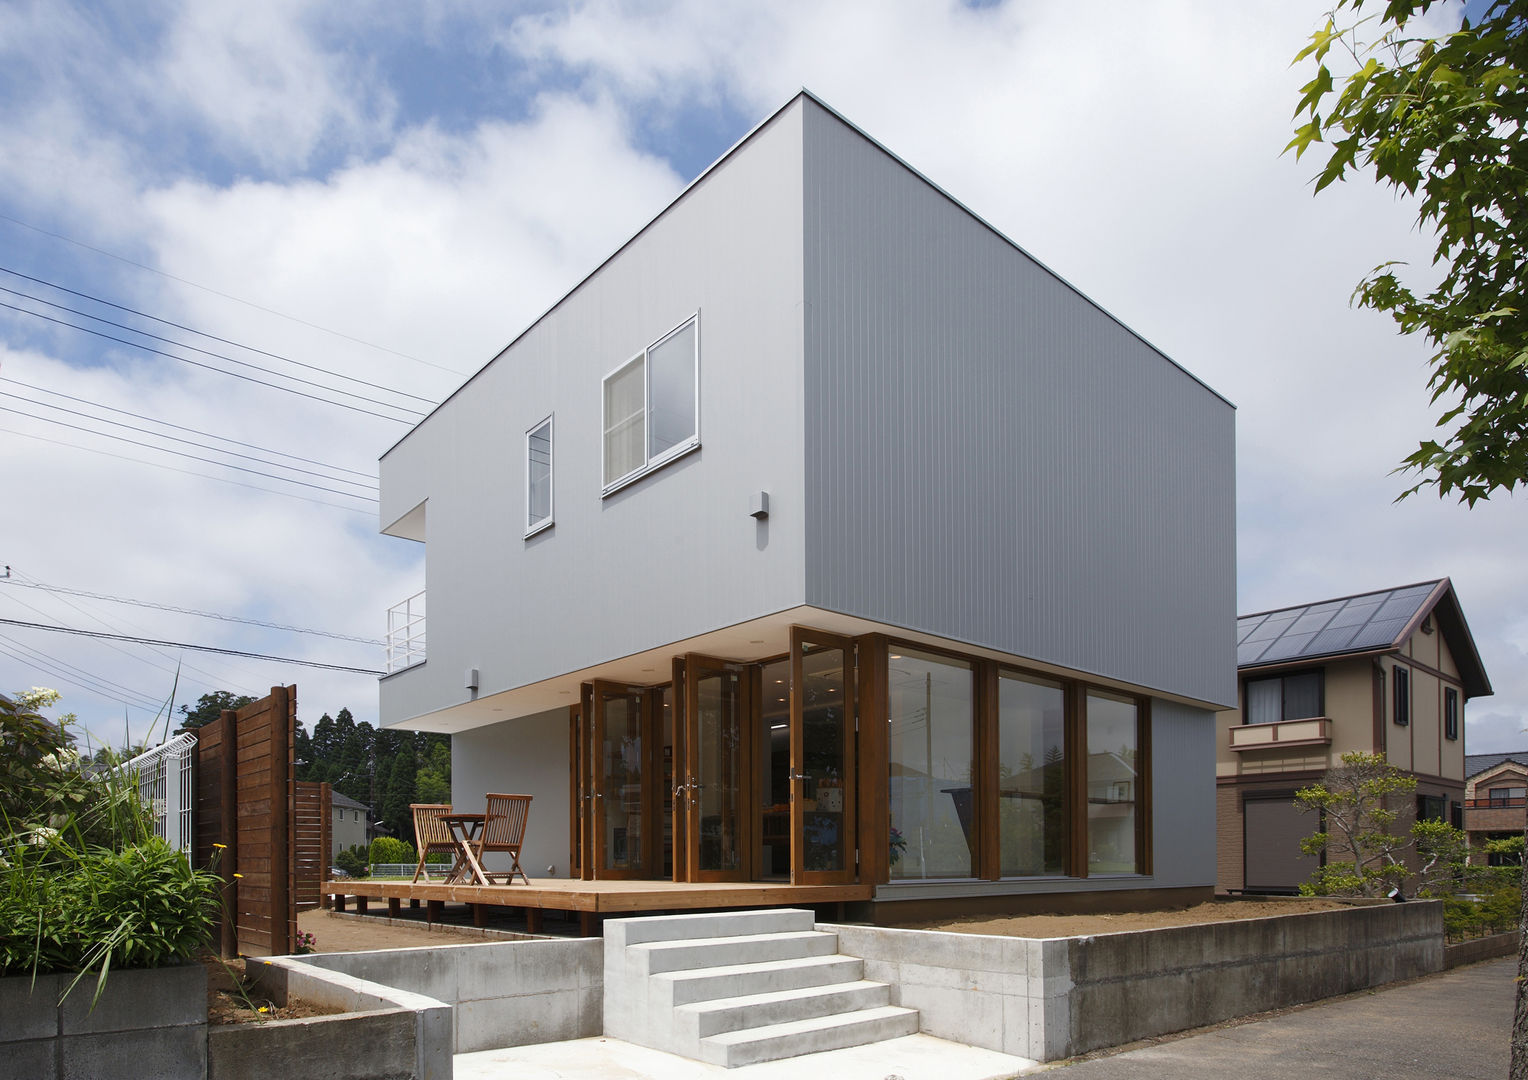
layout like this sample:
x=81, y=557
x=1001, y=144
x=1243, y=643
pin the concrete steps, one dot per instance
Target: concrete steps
x=741, y=987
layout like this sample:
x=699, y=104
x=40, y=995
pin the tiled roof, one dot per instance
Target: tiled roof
x=1353, y=624
x=338, y=799
x=1479, y=763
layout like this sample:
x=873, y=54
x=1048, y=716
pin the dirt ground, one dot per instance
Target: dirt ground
x=350, y=934
x=1050, y=926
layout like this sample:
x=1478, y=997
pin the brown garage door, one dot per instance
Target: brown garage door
x=1274, y=829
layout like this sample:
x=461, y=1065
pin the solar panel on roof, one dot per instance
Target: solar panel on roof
x=1379, y=632
x=1332, y=639
x=1355, y=614
x=1311, y=622
x=1287, y=647
x=1246, y=626
x=1399, y=607
x=1249, y=654
x=1272, y=627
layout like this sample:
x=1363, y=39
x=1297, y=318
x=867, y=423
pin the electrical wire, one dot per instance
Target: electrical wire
x=59, y=589
x=187, y=472
x=193, y=457
x=76, y=675
x=226, y=296
x=187, y=329
x=176, y=438
x=232, y=374
x=188, y=645
x=372, y=475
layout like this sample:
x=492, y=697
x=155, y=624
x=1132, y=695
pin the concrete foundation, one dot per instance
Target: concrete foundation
x=149, y=1024
x=1053, y=998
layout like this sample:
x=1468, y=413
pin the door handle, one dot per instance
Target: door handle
x=798, y=776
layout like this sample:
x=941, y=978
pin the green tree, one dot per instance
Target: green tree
x=1366, y=813
x=210, y=706
x=1441, y=120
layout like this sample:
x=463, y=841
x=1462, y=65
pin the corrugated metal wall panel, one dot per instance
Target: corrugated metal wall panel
x=1183, y=794
x=992, y=458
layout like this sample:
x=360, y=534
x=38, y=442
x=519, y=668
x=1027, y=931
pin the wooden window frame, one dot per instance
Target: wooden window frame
x=1400, y=695
x=1451, y=713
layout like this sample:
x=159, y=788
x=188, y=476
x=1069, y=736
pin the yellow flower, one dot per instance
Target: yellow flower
x=220, y=846
x=264, y=1009
x=238, y=875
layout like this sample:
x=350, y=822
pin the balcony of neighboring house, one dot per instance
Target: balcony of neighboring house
x=1312, y=731
x=405, y=634
x=1497, y=811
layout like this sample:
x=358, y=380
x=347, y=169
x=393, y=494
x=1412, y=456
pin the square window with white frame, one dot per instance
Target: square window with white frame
x=652, y=406
x=538, y=477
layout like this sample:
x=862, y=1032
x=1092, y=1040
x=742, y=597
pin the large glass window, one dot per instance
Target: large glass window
x=1113, y=782
x=930, y=713
x=1284, y=697
x=1032, y=811
x=651, y=405
x=538, y=477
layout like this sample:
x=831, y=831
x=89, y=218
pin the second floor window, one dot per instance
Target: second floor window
x=652, y=405
x=1284, y=697
x=538, y=477
x=1450, y=713
x=1402, y=695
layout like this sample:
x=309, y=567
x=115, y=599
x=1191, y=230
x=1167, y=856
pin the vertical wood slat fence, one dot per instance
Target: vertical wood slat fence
x=272, y=831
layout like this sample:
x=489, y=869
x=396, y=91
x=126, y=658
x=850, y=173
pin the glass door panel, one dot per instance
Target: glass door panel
x=774, y=769
x=619, y=747
x=822, y=758
x=717, y=767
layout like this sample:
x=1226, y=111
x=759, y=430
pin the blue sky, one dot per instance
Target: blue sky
x=392, y=194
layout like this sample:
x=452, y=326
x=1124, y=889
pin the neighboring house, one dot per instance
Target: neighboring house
x=1495, y=800
x=821, y=534
x=1382, y=672
x=347, y=822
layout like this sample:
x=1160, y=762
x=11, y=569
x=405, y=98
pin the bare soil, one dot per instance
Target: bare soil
x=231, y=1000
x=1052, y=926
x=342, y=933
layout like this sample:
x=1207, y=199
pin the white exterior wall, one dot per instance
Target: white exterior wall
x=527, y=756
x=675, y=553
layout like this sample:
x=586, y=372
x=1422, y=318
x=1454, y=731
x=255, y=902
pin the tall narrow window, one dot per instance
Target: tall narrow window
x=1450, y=713
x=538, y=477
x=1402, y=695
x=1031, y=747
x=1113, y=783
x=931, y=744
x=652, y=406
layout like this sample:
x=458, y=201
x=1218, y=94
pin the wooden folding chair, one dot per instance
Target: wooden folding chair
x=504, y=830
x=431, y=836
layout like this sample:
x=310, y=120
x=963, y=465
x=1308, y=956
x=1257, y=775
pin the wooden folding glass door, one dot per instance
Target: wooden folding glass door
x=622, y=786
x=822, y=758
x=717, y=791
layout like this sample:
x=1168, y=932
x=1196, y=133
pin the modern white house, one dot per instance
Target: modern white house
x=821, y=534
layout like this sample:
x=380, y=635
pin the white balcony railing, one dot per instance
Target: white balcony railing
x=405, y=634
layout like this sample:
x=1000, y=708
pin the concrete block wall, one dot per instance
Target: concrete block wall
x=149, y=1024
x=505, y=993
x=1056, y=997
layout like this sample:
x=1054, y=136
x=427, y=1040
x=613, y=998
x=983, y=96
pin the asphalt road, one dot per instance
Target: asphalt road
x=1452, y=1026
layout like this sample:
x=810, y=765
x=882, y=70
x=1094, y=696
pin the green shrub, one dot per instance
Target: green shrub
x=352, y=860
x=389, y=849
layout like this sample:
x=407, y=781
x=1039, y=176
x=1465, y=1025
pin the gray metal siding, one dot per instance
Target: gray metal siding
x=992, y=458
x=675, y=553
x=1183, y=795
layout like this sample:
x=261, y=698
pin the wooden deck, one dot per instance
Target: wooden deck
x=591, y=899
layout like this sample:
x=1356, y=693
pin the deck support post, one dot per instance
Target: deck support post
x=479, y=914
x=432, y=910
x=533, y=920
x=339, y=901
x=394, y=907
x=587, y=925
x=360, y=904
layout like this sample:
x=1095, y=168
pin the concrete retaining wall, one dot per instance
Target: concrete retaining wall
x=1056, y=997
x=149, y=1024
x=1478, y=949
x=505, y=994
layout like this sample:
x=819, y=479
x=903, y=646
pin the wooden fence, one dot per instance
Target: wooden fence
x=267, y=834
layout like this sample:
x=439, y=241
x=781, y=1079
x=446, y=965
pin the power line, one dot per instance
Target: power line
x=185, y=611
x=193, y=457
x=226, y=296
x=176, y=438
x=182, y=427
x=76, y=675
x=232, y=374
x=188, y=645
x=187, y=329
x=186, y=472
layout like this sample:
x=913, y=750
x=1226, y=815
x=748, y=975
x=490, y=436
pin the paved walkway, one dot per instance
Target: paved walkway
x=1455, y=1025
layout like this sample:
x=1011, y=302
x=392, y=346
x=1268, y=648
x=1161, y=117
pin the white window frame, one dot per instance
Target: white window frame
x=678, y=450
x=532, y=528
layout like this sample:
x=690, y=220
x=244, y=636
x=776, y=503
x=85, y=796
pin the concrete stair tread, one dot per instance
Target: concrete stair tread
x=796, y=1037
x=811, y=1024
x=758, y=967
x=734, y=940
x=747, y=1000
